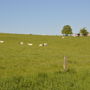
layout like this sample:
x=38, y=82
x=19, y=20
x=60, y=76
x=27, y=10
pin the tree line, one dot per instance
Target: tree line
x=67, y=30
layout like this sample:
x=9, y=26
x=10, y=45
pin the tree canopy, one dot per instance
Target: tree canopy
x=66, y=30
x=84, y=32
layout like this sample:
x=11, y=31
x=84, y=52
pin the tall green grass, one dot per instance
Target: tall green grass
x=24, y=67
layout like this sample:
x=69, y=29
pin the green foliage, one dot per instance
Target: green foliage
x=24, y=67
x=66, y=30
x=84, y=32
x=42, y=81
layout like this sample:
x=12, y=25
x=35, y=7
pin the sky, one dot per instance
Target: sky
x=43, y=16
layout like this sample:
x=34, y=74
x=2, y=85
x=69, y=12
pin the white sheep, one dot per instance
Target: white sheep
x=21, y=43
x=30, y=44
x=1, y=41
x=45, y=44
x=40, y=45
x=63, y=37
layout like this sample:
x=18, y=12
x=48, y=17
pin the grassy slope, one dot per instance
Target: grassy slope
x=23, y=61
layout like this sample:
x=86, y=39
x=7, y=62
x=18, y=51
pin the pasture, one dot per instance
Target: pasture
x=24, y=67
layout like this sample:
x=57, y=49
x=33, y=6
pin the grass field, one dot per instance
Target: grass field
x=24, y=67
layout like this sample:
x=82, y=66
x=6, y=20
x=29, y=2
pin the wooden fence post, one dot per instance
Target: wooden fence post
x=65, y=64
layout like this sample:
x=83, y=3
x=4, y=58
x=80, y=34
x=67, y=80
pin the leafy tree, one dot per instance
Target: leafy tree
x=66, y=30
x=84, y=32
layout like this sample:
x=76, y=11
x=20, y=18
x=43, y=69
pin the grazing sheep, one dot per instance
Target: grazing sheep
x=29, y=44
x=40, y=45
x=21, y=43
x=1, y=41
x=45, y=44
x=63, y=37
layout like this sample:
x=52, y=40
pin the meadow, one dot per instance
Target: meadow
x=24, y=67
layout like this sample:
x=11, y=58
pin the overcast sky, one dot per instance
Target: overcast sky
x=43, y=16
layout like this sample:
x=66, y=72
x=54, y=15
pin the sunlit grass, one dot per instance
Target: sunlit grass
x=24, y=67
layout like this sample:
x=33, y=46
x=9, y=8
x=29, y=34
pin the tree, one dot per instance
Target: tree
x=83, y=32
x=66, y=30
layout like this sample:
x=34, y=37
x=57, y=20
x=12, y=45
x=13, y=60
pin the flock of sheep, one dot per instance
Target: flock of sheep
x=29, y=44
